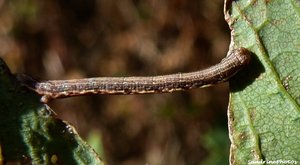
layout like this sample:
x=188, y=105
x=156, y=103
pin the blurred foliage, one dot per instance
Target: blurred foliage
x=75, y=39
x=214, y=140
x=95, y=141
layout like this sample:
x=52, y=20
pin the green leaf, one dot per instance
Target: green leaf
x=31, y=134
x=264, y=112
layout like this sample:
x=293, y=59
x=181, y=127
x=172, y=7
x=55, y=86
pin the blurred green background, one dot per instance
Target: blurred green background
x=65, y=39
